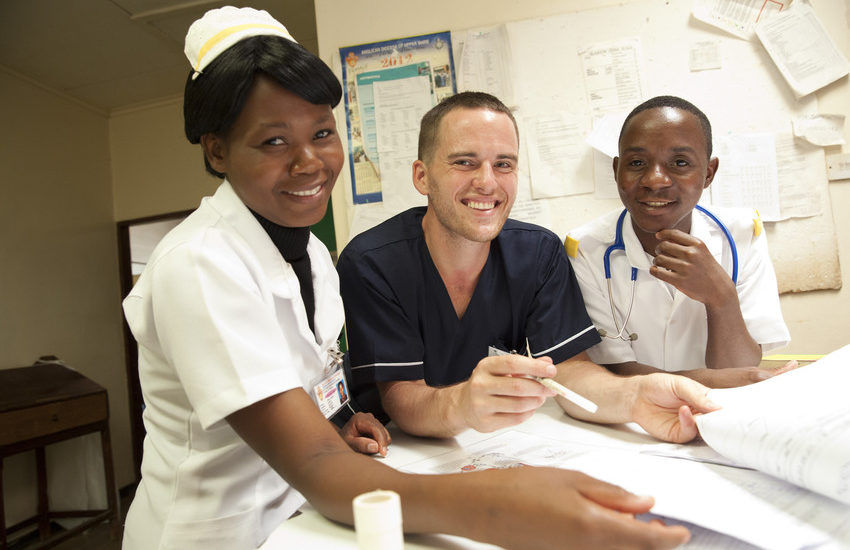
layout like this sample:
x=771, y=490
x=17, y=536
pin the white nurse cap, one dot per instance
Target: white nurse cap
x=223, y=27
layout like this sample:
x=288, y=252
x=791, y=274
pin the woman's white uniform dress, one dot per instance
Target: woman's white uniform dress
x=221, y=325
x=672, y=329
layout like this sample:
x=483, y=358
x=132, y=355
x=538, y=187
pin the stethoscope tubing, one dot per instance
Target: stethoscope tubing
x=732, y=247
x=619, y=244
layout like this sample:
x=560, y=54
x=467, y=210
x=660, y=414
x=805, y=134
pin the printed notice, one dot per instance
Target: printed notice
x=613, y=75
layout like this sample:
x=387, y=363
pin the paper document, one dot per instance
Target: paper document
x=613, y=75
x=604, y=185
x=399, y=107
x=795, y=426
x=485, y=63
x=800, y=195
x=744, y=505
x=803, y=52
x=557, y=157
x=603, y=139
x=527, y=210
x=747, y=176
x=606, y=133
x=696, y=451
x=704, y=55
x=738, y=17
x=367, y=216
x=838, y=166
x=427, y=61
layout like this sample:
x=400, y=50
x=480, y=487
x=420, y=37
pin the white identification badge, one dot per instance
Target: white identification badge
x=331, y=392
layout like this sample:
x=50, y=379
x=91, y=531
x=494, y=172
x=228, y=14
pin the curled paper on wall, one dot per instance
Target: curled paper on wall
x=823, y=130
x=605, y=133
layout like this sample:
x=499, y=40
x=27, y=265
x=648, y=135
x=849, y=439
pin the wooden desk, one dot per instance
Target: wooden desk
x=44, y=404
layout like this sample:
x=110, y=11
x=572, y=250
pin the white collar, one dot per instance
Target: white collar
x=701, y=228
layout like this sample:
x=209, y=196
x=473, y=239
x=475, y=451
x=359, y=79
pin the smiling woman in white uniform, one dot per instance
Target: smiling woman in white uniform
x=676, y=292
x=239, y=302
x=228, y=355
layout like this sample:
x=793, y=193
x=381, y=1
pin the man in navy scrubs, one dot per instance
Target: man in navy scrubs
x=432, y=292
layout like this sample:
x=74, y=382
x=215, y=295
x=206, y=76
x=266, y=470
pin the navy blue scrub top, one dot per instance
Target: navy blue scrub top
x=400, y=321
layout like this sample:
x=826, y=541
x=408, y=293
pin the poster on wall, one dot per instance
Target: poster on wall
x=388, y=86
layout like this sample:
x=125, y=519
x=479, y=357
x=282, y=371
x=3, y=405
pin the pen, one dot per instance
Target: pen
x=568, y=394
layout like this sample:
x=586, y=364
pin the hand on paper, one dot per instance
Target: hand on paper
x=555, y=508
x=365, y=434
x=665, y=406
x=499, y=392
x=686, y=263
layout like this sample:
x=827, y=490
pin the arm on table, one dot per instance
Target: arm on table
x=731, y=377
x=525, y=507
x=496, y=395
x=663, y=404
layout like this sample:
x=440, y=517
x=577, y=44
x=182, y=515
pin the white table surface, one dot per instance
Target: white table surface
x=311, y=530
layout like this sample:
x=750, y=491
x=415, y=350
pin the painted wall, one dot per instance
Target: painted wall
x=59, y=290
x=383, y=20
x=155, y=170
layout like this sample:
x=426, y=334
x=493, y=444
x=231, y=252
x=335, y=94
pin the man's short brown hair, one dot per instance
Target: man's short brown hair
x=464, y=100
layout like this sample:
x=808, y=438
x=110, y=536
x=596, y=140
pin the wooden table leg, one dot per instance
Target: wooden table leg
x=111, y=490
x=41, y=472
x=2, y=511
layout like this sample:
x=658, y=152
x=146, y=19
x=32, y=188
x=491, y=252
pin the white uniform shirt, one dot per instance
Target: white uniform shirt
x=220, y=323
x=672, y=329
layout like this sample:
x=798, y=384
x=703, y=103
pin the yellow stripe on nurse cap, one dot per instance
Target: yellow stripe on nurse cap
x=223, y=27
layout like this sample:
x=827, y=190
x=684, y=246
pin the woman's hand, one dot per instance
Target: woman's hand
x=365, y=434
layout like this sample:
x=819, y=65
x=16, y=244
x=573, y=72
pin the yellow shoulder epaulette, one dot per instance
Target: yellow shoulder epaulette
x=571, y=246
x=758, y=226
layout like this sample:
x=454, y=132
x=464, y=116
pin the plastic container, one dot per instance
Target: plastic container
x=377, y=520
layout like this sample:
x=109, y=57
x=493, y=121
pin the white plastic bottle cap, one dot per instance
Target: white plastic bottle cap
x=377, y=520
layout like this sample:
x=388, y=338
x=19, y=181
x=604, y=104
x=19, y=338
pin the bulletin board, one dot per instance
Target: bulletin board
x=746, y=94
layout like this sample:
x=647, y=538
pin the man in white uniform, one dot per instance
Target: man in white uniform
x=686, y=315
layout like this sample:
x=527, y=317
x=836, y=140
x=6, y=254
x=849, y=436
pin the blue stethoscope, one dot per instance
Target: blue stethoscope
x=620, y=245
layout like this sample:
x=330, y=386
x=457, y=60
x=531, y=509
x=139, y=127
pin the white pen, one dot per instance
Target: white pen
x=568, y=394
x=564, y=392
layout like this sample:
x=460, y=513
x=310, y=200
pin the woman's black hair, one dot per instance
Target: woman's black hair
x=213, y=100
